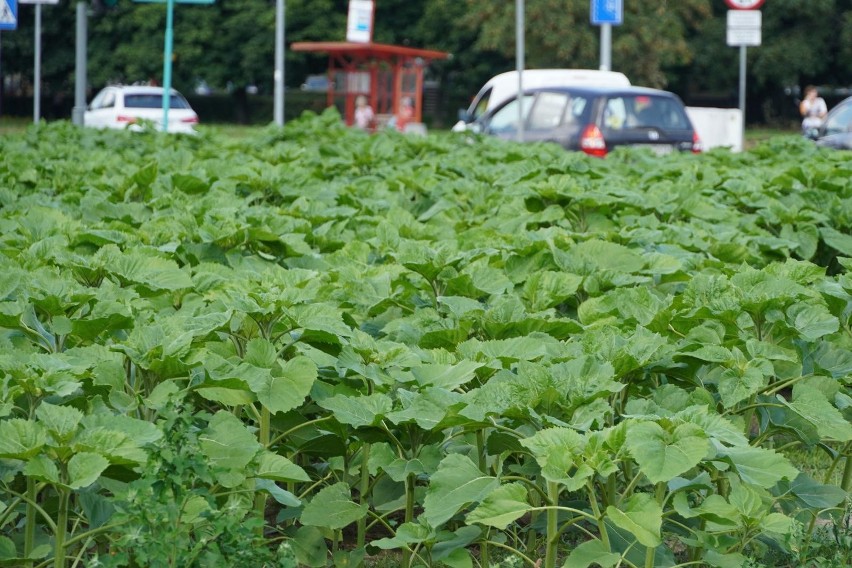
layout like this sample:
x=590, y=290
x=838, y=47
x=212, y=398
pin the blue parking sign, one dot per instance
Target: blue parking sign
x=8, y=15
x=605, y=12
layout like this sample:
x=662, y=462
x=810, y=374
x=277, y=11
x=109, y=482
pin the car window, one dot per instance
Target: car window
x=644, y=111
x=505, y=119
x=840, y=120
x=481, y=104
x=153, y=100
x=108, y=100
x=98, y=100
x=548, y=110
x=615, y=113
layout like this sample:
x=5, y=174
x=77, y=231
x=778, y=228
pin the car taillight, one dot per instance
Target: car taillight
x=125, y=118
x=190, y=120
x=697, y=148
x=592, y=141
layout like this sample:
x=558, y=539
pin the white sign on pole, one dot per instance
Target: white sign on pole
x=38, y=1
x=359, y=25
x=744, y=27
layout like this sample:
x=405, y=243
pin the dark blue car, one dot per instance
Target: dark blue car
x=596, y=119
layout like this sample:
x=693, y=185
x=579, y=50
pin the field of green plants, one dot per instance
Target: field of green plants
x=315, y=347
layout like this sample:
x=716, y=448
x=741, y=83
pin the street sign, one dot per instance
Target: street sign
x=38, y=1
x=359, y=23
x=744, y=4
x=8, y=15
x=744, y=27
x=607, y=12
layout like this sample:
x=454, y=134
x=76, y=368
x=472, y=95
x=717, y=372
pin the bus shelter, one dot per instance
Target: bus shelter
x=383, y=73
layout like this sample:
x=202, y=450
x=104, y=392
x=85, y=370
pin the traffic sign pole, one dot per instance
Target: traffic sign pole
x=37, y=67
x=167, y=62
x=606, y=13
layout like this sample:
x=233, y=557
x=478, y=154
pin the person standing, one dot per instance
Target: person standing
x=365, y=118
x=813, y=110
x=406, y=114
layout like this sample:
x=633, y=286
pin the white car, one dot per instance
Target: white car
x=126, y=106
x=504, y=86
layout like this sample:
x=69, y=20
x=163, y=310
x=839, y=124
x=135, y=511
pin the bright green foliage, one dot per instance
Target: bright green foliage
x=312, y=345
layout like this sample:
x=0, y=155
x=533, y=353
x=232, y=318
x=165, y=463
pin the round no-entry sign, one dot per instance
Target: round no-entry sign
x=744, y=4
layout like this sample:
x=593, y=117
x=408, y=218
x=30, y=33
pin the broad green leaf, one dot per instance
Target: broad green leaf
x=712, y=353
x=640, y=515
x=760, y=466
x=719, y=560
x=284, y=390
x=85, y=468
x=281, y=496
x=261, y=353
x=227, y=443
x=278, y=468
x=60, y=421
x=458, y=558
x=445, y=376
x=310, y=548
x=557, y=450
x=502, y=506
x=43, y=468
x=226, y=396
x=546, y=289
x=837, y=240
x=829, y=422
x=662, y=454
x=358, y=411
x=426, y=408
x=21, y=439
x=450, y=545
x=812, y=321
x=737, y=384
x=815, y=494
x=407, y=533
x=591, y=552
x=116, y=446
x=332, y=508
x=456, y=483
x=7, y=549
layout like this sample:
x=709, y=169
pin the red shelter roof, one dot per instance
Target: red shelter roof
x=378, y=51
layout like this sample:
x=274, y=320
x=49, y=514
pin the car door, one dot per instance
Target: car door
x=101, y=112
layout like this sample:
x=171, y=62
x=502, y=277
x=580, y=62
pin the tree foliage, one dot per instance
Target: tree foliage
x=679, y=45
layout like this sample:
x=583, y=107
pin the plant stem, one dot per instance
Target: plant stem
x=596, y=511
x=61, y=528
x=651, y=551
x=846, y=482
x=363, y=490
x=409, y=513
x=29, y=529
x=483, y=464
x=552, y=525
x=263, y=438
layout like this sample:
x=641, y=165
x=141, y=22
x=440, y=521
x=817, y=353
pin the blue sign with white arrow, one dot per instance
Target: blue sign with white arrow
x=8, y=15
x=607, y=12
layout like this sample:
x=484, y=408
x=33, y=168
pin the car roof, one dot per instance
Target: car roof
x=603, y=90
x=140, y=89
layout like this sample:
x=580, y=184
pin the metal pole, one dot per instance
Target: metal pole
x=519, y=63
x=167, y=62
x=77, y=113
x=2, y=89
x=606, y=47
x=37, y=67
x=280, y=8
x=743, y=92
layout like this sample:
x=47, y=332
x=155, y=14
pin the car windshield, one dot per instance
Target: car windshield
x=153, y=100
x=644, y=111
x=840, y=120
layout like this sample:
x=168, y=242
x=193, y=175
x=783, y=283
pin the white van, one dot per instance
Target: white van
x=505, y=85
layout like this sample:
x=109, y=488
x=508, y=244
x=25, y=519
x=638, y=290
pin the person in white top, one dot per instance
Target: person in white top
x=364, y=115
x=813, y=110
